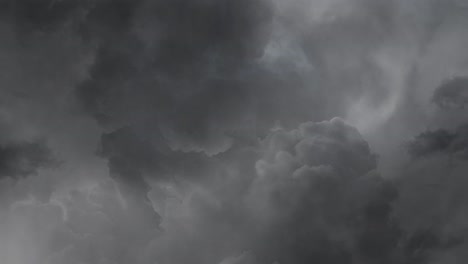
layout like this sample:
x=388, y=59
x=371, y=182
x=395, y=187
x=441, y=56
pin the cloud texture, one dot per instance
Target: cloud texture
x=233, y=132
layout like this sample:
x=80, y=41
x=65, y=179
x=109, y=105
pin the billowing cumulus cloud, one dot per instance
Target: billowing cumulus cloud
x=192, y=131
x=313, y=183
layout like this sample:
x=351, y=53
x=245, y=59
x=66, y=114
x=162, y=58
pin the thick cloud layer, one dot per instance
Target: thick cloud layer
x=191, y=131
x=452, y=93
x=22, y=159
x=441, y=141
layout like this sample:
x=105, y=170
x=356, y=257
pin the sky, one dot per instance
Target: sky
x=233, y=132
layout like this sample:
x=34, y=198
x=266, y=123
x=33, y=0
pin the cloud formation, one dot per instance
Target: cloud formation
x=22, y=159
x=452, y=93
x=193, y=131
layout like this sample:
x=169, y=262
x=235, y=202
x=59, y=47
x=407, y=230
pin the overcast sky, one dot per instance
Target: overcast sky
x=233, y=131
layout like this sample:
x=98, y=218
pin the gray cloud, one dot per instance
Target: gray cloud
x=452, y=93
x=192, y=132
x=22, y=159
x=440, y=141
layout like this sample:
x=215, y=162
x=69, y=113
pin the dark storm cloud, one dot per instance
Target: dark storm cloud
x=169, y=73
x=197, y=72
x=304, y=206
x=161, y=65
x=306, y=189
x=88, y=16
x=452, y=93
x=453, y=143
x=205, y=117
x=20, y=159
x=312, y=197
x=430, y=142
x=316, y=197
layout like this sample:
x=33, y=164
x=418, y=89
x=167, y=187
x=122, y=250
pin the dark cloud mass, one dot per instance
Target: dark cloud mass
x=233, y=132
x=454, y=143
x=22, y=159
x=452, y=93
